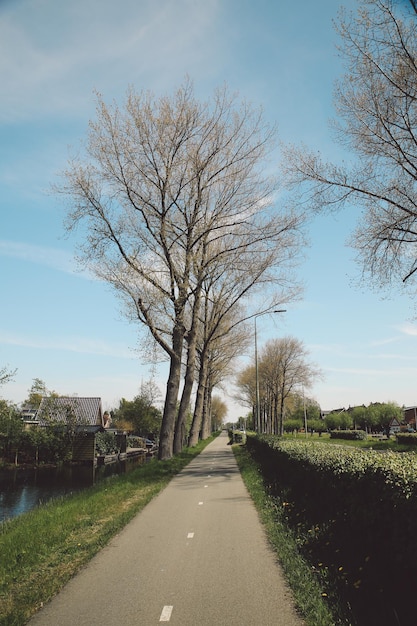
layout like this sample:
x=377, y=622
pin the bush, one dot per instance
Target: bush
x=236, y=436
x=352, y=435
x=408, y=439
x=106, y=443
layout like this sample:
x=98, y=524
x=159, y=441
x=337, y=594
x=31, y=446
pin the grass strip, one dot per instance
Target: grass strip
x=310, y=598
x=42, y=549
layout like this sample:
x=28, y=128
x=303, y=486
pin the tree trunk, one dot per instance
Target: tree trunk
x=281, y=416
x=199, y=403
x=166, y=438
x=188, y=387
x=206, y=425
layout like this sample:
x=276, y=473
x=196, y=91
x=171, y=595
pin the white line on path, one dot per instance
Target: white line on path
x=166, y=613
x=190, y=535
x=200, y=503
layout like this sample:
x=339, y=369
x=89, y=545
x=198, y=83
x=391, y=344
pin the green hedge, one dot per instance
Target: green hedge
x=353, y=435
x=408, y=439
x=355, y=514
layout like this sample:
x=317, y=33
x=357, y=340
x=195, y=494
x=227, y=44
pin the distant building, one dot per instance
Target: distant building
x=82, y=413
x=410, y=414
x=28, y=414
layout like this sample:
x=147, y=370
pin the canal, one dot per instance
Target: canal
x=23, y=489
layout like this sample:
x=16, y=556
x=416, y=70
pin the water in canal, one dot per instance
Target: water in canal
x=23, y=489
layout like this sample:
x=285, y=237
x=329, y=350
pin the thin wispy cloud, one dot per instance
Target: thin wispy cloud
x=408, y=329
x=81, y=345
x=384, y=342
x=46, y=67
x=56, y=258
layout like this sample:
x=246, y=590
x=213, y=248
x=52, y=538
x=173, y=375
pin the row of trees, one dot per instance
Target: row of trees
x=376, y=417
x=178, y=215
x=284, y=372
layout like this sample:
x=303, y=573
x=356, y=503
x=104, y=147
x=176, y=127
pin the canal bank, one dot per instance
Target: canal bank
x=24, y=488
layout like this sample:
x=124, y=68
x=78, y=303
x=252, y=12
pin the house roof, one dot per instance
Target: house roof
x=82, y=411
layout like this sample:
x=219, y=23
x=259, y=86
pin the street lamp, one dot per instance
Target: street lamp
x=258, y=416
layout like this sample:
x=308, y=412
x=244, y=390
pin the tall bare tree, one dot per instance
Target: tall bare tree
x=376, y=103
x=233, y=292
x=284, y=369
x=162, y=182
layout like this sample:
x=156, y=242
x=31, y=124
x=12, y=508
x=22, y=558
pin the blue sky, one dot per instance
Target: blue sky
x=57, y=324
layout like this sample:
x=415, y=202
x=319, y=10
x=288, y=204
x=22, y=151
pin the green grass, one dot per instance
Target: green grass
x=311, y=597
x=41, y=550
x=370, y=443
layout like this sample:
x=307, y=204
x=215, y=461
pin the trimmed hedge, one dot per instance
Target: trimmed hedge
x=354, y=512
x=408, y=439
x=353, y=435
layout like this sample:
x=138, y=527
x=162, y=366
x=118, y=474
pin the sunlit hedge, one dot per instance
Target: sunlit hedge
x=389, y=469
x=354, y=513
x=353, y=435
x=408, y=439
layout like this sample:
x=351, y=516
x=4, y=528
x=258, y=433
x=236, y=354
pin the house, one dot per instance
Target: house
x=28, y=414
x=410, y=414
x=395, y=426
x=83, y=415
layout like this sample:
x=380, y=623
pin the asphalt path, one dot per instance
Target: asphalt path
x=196, y=555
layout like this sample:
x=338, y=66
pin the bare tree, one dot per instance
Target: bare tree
x=235, y=283
x=376, y=102
x=283, y=369
x=219, y=412
x=163, y=181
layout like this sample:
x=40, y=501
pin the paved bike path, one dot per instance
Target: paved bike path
x=196, y=555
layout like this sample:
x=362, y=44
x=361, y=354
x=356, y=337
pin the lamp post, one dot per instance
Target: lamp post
x=258, y=416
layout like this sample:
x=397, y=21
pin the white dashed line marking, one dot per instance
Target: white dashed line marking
x=190, y=535
x=205, y=486
x=200, y=503
x=166, y=614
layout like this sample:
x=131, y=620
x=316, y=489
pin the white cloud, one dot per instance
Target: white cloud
x=53, y=55
x=81, y=345
x=56, y=258
x=408, y=329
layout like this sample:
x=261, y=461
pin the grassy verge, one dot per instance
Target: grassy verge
x=365, y=444
x=310, y=597
x=41, y=550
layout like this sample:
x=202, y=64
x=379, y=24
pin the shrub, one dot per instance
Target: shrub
x=106, y=443
x=408, y=439
x=353, y=435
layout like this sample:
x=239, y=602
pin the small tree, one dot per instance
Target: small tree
x=38, y=391
x=6, y=375
x=218, y=412
x=341, y=420
x=384, y=413
x=11, y=429
x=139, y=415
